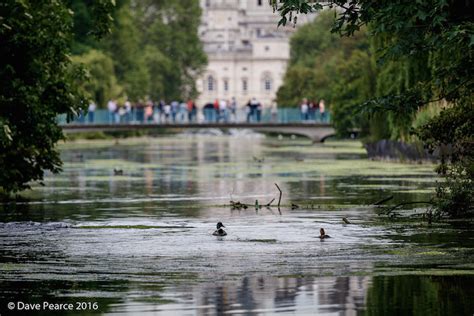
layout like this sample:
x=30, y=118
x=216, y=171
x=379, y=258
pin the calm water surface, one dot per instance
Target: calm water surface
x=140, y=243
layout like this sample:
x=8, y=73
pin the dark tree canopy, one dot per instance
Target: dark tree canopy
x=424, y=51
x=38, y=83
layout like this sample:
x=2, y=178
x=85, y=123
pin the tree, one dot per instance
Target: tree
x=102, y=83
x=38, y=83
x=170, y=27
x=154, y=46
x=124, y=46
x=340, y=70
x=433, y=41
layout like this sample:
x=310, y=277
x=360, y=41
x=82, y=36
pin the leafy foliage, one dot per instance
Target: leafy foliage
x=124, y=47
x=434, y=37
x=152, y=50
x=102, y=83
x=37, y=84
x=325, y=66
x=424, y=51
x=170, y=28
x=452, y=133
x=154, y=47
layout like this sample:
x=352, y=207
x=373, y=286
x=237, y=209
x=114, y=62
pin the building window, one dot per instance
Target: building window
x=210, y=83
x=259, y=2
x=267, y=84
x=244, y=85
x=226, y=85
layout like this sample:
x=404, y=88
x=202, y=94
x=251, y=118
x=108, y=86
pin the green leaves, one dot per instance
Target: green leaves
x=290, y=9
x=38, y=83
x=7, y=133
x=170, y=29
x=424, y=52
x=324, y=65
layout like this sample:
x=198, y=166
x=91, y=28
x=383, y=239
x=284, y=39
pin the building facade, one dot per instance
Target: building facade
x=247, y=52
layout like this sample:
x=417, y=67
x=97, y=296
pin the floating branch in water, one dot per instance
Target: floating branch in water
x=383, y=200
x=237, y=205
x=345, y=220
x=391, y=209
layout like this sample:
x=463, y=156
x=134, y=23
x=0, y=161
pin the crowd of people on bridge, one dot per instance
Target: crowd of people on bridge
x=226, y=111
x=312, y=110
x=218, y=111
x=148, y=112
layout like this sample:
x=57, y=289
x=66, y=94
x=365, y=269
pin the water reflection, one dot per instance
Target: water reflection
x=262, y=295
x=420, y=295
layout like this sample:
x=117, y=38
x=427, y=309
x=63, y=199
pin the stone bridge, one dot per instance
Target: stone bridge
x=317, y=132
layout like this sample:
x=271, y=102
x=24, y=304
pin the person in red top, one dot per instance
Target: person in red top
x=216, y=109
x=191, y=110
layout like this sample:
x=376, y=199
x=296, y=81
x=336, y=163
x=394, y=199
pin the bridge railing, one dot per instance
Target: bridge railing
x=139, y=116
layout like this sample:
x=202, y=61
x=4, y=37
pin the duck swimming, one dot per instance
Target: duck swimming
x=323, y=234
x=219, y=231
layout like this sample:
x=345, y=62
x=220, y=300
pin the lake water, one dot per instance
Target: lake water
x=140, y=243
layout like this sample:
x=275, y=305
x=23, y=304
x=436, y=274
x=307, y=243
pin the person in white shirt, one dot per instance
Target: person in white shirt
x=182, y=111
x=274, y=111
x=112, y=107
x=322, y=110
x=91, y=111
x=167, y=111
x=223, y=110
x=304, y=110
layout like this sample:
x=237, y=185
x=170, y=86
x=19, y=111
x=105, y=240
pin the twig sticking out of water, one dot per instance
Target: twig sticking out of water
x=281, y=193
x=270, y=203
x=383, y=200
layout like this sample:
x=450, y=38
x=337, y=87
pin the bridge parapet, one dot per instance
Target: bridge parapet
x=316, y=132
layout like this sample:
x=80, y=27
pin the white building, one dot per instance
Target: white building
x=247, y=52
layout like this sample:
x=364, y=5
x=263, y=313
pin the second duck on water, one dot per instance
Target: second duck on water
x=219, y=231
x=322, y=234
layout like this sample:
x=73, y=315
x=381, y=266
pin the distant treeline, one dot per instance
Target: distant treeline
x=346, y=72
x=153, y=50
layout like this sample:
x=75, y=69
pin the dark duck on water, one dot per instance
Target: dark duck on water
x=322, y=234
x=219, y=231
